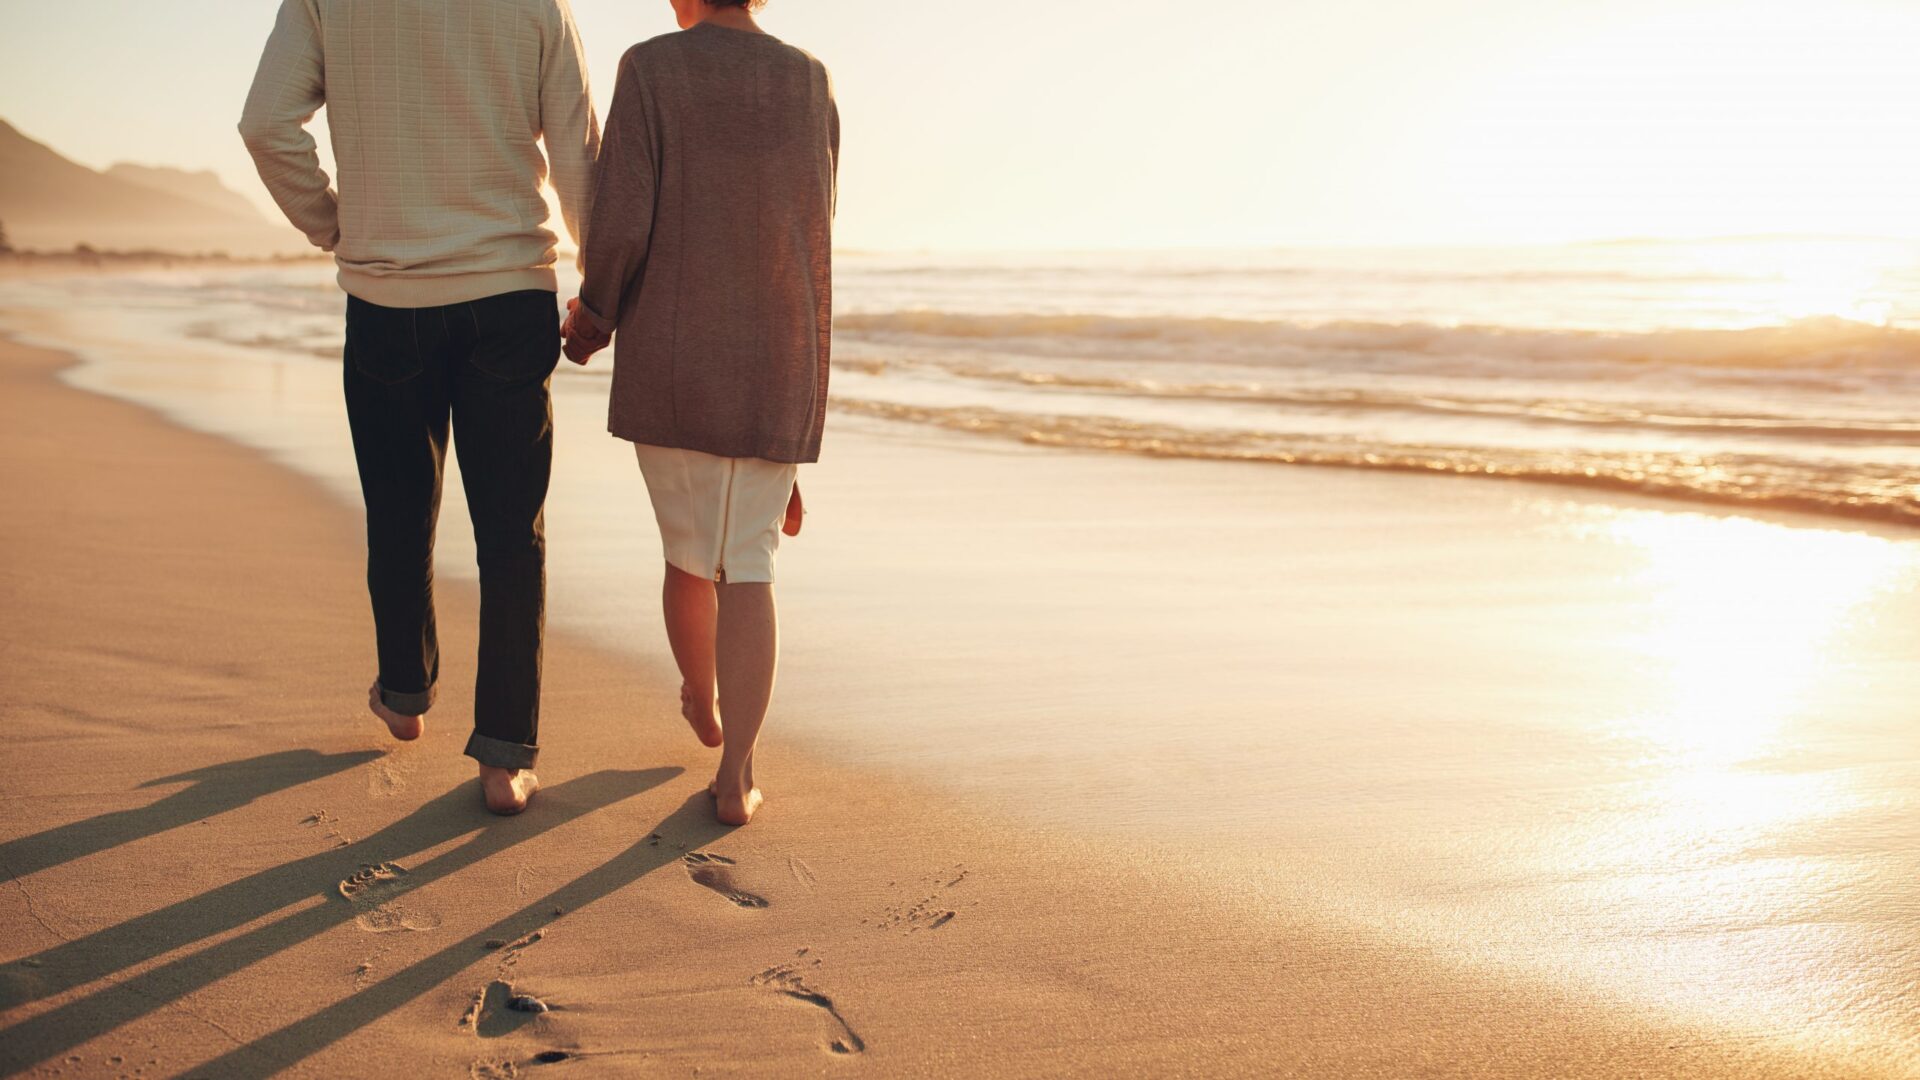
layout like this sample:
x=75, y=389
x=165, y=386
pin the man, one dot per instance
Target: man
x=438, y=225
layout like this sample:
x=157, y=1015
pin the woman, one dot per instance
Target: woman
x=709, y=251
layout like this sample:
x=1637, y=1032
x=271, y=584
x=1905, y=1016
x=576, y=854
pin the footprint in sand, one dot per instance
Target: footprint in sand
x=369, y=887
x=387, y=777
x=389, y=919
x=930, y=912
x=784, y=979
x=512, y=949
x=712, y=871
x=324, y=820
x=802, y=873
x=369, y=883
x=501, y=1010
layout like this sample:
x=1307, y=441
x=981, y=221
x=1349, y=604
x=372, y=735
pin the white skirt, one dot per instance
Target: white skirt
x=719, y=517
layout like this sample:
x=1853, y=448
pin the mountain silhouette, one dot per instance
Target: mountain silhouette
x=50, y=203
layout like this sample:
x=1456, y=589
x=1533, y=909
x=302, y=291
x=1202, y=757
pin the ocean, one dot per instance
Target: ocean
x=1762, y=373
x=1767, y=373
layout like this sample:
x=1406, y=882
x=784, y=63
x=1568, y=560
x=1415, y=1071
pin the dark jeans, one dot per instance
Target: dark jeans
x=484, y=366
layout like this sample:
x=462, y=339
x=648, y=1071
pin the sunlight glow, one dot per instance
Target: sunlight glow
x=1745, y=614
x=1386, y=123
x=1697, y=120
x=1796, y=279
x=1709, y=872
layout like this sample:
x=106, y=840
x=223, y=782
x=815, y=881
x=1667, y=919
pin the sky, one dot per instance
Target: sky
x=1087, y=124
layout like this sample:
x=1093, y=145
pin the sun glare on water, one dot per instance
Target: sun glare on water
x=1711, y=868
x=1745, y=614
x=1790, y=279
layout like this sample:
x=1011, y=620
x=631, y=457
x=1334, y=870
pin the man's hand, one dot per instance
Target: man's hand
x=582, y=339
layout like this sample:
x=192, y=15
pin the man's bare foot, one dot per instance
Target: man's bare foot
x=507, y=790
x=706, y=726
x=404, y=728
x=734, y=806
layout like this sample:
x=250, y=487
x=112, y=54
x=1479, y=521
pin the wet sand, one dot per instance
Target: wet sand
x=218, y=864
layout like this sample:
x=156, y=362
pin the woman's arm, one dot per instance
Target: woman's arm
x=625, y=183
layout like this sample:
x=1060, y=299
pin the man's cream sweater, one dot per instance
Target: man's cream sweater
x=437, y=109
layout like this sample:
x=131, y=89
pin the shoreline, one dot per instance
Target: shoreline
x=1109, y=436
x=1738, y=483
x=856, y=868
x=19, y=265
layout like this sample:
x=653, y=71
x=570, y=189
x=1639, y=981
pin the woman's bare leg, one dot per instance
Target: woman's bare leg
x=692, y=621
x=748, y=650
x=713, y=785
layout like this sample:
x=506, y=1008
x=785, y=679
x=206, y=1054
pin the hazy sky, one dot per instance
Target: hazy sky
x=1082, y=123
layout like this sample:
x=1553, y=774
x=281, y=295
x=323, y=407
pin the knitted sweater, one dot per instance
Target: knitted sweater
x=437, y=109
x=711, y=244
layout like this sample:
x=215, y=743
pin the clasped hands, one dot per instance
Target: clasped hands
x=582, y=338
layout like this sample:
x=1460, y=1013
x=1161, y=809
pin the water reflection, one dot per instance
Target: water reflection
x=1722, y=877
x=1745, y=620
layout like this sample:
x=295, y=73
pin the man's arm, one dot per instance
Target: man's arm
x=288, y=89
x=567, y=122
x=624, y=188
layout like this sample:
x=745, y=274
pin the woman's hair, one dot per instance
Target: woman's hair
x=750, y=5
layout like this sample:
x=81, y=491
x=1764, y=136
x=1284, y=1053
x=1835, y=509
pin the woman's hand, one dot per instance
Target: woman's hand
x=582, y=339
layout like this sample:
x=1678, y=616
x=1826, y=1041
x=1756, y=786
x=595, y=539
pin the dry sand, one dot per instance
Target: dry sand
x=217, y=864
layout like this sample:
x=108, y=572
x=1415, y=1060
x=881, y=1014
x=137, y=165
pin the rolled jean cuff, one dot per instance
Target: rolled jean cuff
x=407, y=704
x=499, y=753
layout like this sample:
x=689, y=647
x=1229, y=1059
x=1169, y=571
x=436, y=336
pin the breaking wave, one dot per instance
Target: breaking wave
x=1878, y=493
x=1817, y=343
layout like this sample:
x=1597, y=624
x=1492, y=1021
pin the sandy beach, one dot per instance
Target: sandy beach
x=1368, y=541
x=1080, y=765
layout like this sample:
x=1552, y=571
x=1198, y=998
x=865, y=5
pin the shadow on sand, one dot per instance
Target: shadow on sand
x=214, y=790
x=692, y=825
x=217, y=911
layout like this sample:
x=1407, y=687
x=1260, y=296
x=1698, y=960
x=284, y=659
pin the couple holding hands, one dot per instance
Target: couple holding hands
x=704, y=217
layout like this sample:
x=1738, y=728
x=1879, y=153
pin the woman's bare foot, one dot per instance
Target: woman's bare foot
x=507, y=790
x=745, y=781
x=706, y=726
x=734, y=806
x=404, y=728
